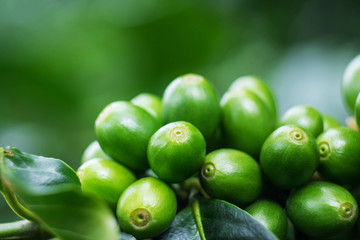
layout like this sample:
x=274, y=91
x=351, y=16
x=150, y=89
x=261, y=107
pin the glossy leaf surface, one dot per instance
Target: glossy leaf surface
x=47, y=191
x=215, y=219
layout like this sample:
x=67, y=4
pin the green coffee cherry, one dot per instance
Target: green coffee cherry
x=146, y=208
x=305, y=117
x=340, y=155
x=176, y=151
x=231, y=175
x=329, y=122
x=151, y=103
x=322, y=209
x=105, y=178
x=93, y=151
x=289, y=157
x=260, y=88
x=123, y=131
x=193, y=99
x=357, y=111
x=271, y=215
x=246, y=121
x=351, y=83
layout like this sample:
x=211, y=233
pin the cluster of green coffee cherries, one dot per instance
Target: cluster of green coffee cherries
x=298, y=173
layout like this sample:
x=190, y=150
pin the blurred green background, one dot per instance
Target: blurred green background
x=62, y=62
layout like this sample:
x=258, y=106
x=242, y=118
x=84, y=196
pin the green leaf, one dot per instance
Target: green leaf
x=35, y=173
x=47, y=191
x=71, y=215
x=215, y=219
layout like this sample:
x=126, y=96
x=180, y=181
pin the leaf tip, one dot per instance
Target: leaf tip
x=10, y=151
